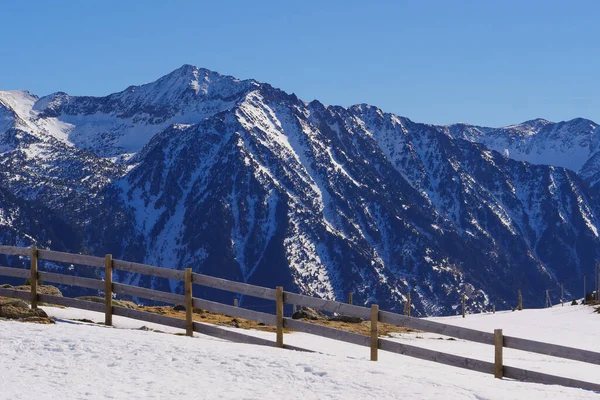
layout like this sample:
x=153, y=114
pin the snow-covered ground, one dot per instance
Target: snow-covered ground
x=72, y=360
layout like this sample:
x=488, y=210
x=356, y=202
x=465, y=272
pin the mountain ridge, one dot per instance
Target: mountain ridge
x=242, y=180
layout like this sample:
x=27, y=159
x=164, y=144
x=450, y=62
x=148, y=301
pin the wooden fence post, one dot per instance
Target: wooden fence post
x=108, y=290
x=463, y=305
x=33, y=280
x=498, y=345
x=189, y=304
x=407, y=306
x=294, y=308
x=279, y=312
x=494, y=309
x=520, y=306
x=374, y=331
x=350, y=298
x=235, y=302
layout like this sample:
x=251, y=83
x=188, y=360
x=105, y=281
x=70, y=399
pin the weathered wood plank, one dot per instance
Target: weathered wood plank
x=236, y=287
x=436, y=327
x=555, y=350
x=108, y=289
x=233, y=336
x=71, y=280
x=498, y=353
x=238, y=337
x=15, y=251
x=538, y=377
x=14, y=272
x=374, y=331
x=327, y=332
x=279, y=316
x=232, y=311
x=16, y=294
x=69, y=302
x=33, y=279
x=80, y=259
x=327, y=305
x=189, y=299
x=148, y=294
x=149, y=270
x=436, y=356
x=149, y=317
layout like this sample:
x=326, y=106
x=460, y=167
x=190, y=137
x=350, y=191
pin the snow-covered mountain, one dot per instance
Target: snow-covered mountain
x=244, y=181
x=572, y=144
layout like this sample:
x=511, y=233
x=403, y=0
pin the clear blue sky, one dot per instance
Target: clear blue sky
x=485, y=62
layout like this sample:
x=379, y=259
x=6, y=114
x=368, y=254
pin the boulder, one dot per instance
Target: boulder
x=309, y=313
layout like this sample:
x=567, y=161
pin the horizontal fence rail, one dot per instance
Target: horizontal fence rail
x=71, y=258
x=148, y=294
x=61, y=279
x=327, y=305
x=437, y=356
x=16, y=294
x=233, y=311
x=280, y=297
x=14, y=272
x=230, y=286
x=553, y=350
x=148, y=270
x=15, y=251
x=325, y=331
x=471, y=335
x=547, y=379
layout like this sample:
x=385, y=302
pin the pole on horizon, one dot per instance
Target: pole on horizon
x=562, y=294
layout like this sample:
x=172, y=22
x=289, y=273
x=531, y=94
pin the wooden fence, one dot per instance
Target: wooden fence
x=280, y=297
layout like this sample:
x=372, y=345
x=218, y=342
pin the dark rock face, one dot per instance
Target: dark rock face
x=240, y=180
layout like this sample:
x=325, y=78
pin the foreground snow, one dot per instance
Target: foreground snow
x=75, y=361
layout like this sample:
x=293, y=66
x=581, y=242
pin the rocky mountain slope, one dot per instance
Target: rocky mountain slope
x=241, y=180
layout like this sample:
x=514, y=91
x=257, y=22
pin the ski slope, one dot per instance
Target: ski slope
x=73, y=360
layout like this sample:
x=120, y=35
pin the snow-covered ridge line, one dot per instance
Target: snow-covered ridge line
x=238, y=179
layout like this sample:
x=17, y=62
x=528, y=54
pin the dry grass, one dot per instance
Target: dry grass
x=209, y=318
x=363, y=328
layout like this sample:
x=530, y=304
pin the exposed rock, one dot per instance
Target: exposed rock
x=345, y=318
x=147, y=329
x=309, y=313
x=179, y=307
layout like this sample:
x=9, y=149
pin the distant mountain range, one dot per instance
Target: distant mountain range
x=241, y=180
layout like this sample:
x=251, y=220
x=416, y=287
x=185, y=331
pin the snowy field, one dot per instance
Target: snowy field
x=72, y=360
